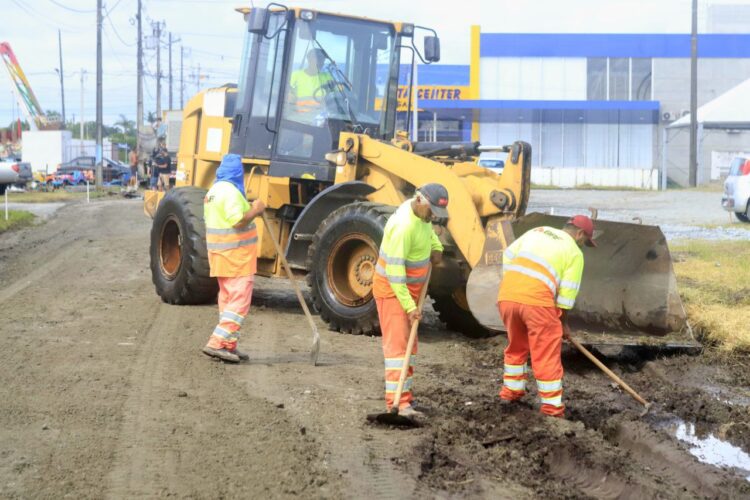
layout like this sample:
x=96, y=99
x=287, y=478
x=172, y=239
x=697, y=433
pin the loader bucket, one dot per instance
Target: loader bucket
x=628, y=293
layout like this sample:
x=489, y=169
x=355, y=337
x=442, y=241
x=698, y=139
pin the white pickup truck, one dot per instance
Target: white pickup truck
x=13, y=171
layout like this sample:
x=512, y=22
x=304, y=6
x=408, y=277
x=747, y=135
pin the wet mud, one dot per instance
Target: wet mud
x=476, y=446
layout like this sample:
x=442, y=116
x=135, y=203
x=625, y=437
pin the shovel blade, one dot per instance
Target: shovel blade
x=392, y=419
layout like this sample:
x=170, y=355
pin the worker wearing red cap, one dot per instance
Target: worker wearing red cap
x=541, y=277
x=409, y=245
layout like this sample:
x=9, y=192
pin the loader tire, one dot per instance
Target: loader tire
x=454, y=312
x=179, y=258
x=341, y=260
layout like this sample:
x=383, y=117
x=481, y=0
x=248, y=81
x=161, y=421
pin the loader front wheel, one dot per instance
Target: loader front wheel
x=341, y=260
x=179, y=259
x=453, y=310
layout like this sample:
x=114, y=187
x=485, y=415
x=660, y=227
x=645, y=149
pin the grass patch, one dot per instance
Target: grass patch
x=714, y=281
x=16, y=220
x=55, y=196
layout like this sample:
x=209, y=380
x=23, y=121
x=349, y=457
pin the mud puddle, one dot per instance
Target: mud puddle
x=708, y=448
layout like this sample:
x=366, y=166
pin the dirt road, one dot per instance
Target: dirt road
x=105, y=394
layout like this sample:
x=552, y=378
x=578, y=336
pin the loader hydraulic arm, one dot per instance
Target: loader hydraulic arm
x=474, y=192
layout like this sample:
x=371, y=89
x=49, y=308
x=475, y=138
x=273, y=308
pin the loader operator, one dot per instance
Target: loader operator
x=409, y=245
x=231, y=239
x=541, y=276
x=308, y=86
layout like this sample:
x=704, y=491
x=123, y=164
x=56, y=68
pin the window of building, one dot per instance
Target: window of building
x=596, y=79
x=618, y=79
x=619, y=69
x=640, y=79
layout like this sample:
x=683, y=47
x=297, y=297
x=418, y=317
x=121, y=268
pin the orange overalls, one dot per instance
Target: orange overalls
x=541, y=275
x=400, y=274
x=232, y=257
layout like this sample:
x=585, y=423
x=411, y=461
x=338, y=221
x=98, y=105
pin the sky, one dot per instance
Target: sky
x=211, y=33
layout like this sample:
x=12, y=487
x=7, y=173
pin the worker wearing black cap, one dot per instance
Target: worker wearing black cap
x=409, y=245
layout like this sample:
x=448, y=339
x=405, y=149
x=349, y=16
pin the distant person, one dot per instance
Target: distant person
x=232, y=240
x=161, y=167
x=133, y=160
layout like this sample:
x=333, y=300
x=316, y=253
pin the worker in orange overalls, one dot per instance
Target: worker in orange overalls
x=541, y=277
x=231, y=239
x=409, y=245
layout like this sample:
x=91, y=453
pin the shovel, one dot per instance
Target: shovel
x=609, y=373
x=315, y=350
x=392, y=416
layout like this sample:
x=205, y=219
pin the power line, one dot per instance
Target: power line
x=71, y=9
x=31, y=12
x=112, y=24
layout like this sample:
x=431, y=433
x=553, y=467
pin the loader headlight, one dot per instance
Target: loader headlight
x=307, y=15
x=336, y=158
x=407, y=30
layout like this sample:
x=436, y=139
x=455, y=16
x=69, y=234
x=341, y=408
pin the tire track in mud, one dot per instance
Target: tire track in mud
x=139, y=469
x=364, y=455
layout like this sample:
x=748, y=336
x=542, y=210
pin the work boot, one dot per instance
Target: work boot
x=241, y=354
x=222, y=354
x=410, y=412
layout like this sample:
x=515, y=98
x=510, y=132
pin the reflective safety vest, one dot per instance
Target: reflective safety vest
x=404, y=257
x=232, y=252
x=304, y=86
x=542, y=268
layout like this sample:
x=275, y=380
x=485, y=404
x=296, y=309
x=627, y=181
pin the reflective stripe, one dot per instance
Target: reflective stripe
x=508, y=255
x=562, y=301
x=390, y=277
x=549, y=385
x=533, y=274
x=554, y=401
x=394, y=261
x=515, y=385
x=225, y=334
x=571, y=285
x=232, y=244
x=538, y=260
x=233, y=317
x=397, y=363
x=390, y=387
x=399, y=279
x=230, y=230
x=514, y=369
x=399, y=261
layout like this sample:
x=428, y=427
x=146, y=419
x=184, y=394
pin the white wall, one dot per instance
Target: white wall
x=45, y=149
x=548, y=78
x=609, y=177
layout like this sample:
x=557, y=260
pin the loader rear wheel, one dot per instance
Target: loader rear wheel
x=453, y=310
x=179, y=259
x=341, y=260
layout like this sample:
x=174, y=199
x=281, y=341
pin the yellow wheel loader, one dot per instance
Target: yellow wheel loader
x=313, y=117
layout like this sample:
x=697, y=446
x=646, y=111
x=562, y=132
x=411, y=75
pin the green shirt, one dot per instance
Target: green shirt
x=407, y=242
x=224, y=206
x=305, y=84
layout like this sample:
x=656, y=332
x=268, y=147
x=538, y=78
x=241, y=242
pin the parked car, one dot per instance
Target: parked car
x=13, y=171
x=493, y=164
x=111, y=170
x=737, y=189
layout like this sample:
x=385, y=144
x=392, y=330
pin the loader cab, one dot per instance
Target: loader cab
x=306, y=77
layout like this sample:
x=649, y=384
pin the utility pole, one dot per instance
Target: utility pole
x=99, y=117
x=139, y=90
x=157, y=29
x=693, y=173
x=182, y=81
x=83, y=72
x=62, y=85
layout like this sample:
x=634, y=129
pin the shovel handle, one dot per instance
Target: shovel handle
x=282, y=257
x=607, y=371
x=410, y=345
